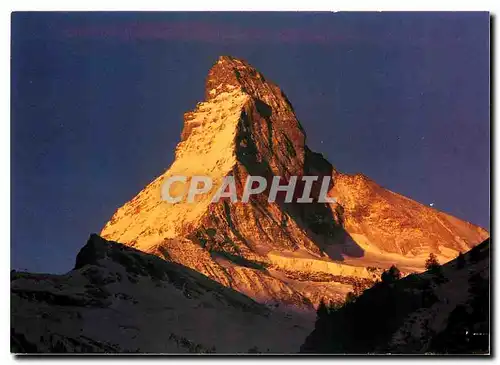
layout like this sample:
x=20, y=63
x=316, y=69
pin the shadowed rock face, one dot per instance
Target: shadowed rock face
x=275, y=252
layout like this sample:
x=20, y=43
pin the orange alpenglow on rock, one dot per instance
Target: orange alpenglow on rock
x=288, y=254
x=227, y=189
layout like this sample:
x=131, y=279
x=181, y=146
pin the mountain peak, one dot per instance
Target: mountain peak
x=247, y=127
x=230, y=73
x=227, y=74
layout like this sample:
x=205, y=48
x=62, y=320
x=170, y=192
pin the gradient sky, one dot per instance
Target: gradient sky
x=98, y=102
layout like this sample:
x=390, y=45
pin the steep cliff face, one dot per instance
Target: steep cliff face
x=277, y=253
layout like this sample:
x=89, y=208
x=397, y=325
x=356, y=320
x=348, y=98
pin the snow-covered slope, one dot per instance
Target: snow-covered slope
x=118, y=299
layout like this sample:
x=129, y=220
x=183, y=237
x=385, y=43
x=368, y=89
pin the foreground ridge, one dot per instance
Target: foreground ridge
x=442, y=311
x=118, y=299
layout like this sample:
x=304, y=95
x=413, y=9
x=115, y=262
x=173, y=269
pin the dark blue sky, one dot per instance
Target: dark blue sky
x=98, y=101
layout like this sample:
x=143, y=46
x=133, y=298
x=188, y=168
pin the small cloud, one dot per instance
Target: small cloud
x=205, y=32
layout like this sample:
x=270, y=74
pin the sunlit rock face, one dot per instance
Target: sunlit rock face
x=281, y=254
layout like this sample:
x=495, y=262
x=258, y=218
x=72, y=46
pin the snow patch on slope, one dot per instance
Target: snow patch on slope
x=208, y=150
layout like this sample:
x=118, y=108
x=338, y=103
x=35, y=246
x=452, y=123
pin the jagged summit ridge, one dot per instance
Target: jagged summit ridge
x=272, y=251
x=229, y=73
